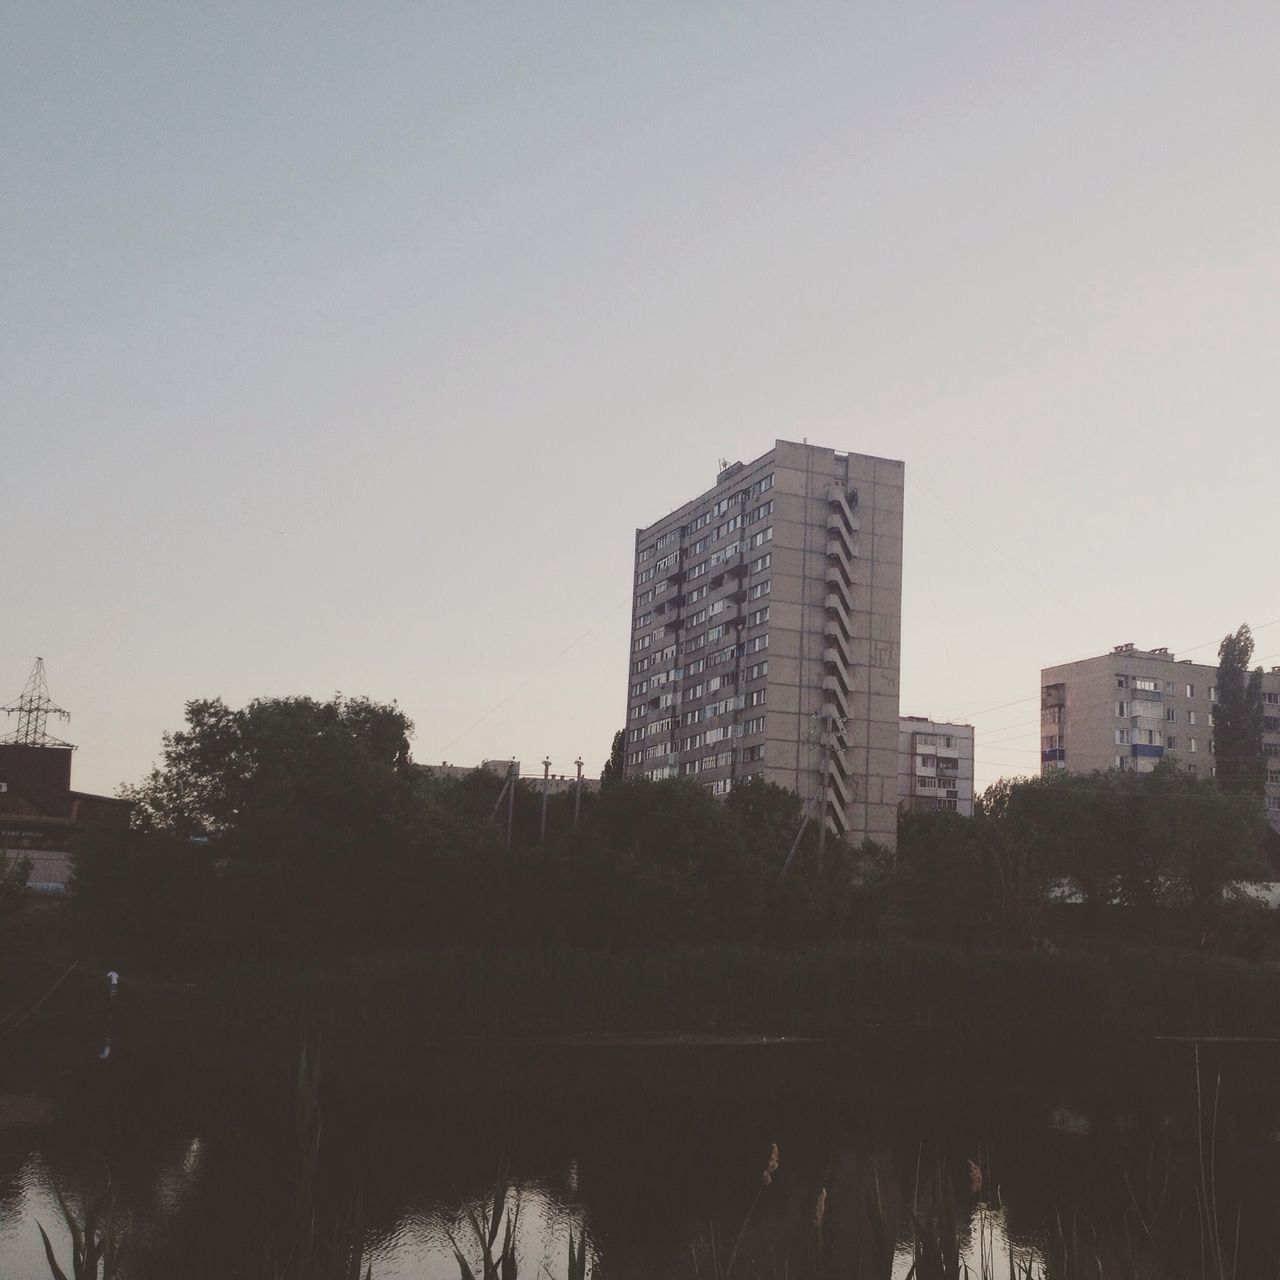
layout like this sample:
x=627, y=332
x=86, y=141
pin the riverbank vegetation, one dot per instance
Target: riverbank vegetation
x=292, y=847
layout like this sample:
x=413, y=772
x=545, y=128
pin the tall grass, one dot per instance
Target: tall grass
x=820, y=992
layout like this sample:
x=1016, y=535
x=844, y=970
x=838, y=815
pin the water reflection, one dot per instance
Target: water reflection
x=654, y=1170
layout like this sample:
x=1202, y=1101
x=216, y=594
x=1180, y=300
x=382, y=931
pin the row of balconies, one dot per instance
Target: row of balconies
x=837, y=684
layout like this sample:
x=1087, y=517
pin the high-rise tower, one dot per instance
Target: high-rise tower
x=765, y=636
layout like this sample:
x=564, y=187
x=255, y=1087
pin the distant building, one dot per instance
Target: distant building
x=556, y=783
x=39, y=812
x=1132, y=708
x=935, y=765
x=765, y=635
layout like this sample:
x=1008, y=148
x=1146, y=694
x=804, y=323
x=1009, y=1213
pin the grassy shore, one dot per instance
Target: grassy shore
x=851, y=990
x=880, y=989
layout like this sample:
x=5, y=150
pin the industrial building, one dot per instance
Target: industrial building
x=935, y=766
x=1132, y=708
x=765, y=635
x=39, y=812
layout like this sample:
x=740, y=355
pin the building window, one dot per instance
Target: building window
x=753, y=753
x=761, y=563
x=1191, y=691
x=1191, y=717
x=757, y=670
x=1171, y=715
x=1122, y=737
x=754, y=725
x=1145, y=684
x=1172, y=743
x=1122, y=709
x=757, y=616
x=1192, y=744
x=1122, y=682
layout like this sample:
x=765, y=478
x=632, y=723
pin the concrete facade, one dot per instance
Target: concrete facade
x=1131, y=708
x=935, y=765
x=766, y=635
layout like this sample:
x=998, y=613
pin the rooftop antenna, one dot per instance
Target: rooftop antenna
x=33, y=709
x=724, y=462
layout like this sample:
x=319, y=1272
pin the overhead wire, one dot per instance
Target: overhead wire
x=497, y=706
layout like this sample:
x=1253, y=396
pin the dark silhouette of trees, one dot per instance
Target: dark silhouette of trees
x=612, y=771
x=1238, y=717
x=302, y=827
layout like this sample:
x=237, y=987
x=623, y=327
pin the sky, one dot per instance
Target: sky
x=343, y=348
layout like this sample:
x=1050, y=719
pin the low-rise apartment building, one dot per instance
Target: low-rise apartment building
x=556, y=783
x=935, y=765
x=1131, y=708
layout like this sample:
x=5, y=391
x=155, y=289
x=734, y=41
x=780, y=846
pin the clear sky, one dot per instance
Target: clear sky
x=344, y=347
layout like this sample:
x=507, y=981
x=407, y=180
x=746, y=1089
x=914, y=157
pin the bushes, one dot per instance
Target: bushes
x=649, y=864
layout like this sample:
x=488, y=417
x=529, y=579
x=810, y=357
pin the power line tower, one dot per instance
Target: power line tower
x=33, y=709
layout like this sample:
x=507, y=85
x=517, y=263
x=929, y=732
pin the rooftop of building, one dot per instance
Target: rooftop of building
x=729, y=471
x=1130, y=650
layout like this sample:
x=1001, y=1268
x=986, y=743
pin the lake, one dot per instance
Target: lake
x=655, y=1152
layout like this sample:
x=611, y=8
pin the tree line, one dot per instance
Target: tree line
x=293, y=825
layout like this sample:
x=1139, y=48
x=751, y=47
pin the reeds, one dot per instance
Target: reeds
x=497, y=1257
x=96, y=1242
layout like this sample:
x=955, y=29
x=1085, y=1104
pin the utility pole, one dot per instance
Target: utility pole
x=511, y=802
x=822, y=823
x=508, y=793
x=546, y=774
x=577, y=794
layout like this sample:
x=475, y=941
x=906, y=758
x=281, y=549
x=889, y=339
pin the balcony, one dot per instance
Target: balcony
x=837, y=650
x=838, y=707
x=838, y=500
x=837, y=667
x=835, y=605
x=839, y=534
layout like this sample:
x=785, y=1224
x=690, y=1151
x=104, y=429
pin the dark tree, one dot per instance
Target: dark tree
x=14, y=872
x=612, y=771
x=1237, y=718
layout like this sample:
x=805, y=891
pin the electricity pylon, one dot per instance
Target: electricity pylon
x=33, y=709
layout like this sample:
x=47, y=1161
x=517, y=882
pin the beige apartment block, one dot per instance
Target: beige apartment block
x=935, y=765
x=1132, y=708
x=765, y=635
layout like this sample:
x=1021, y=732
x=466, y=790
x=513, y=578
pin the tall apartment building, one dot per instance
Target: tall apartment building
x=1131, y=708
x=935, y=765
x=765, y=635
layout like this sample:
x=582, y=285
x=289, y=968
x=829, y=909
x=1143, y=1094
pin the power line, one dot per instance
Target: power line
x=1206, y=643
x=1031, y=577
x=497, y=706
